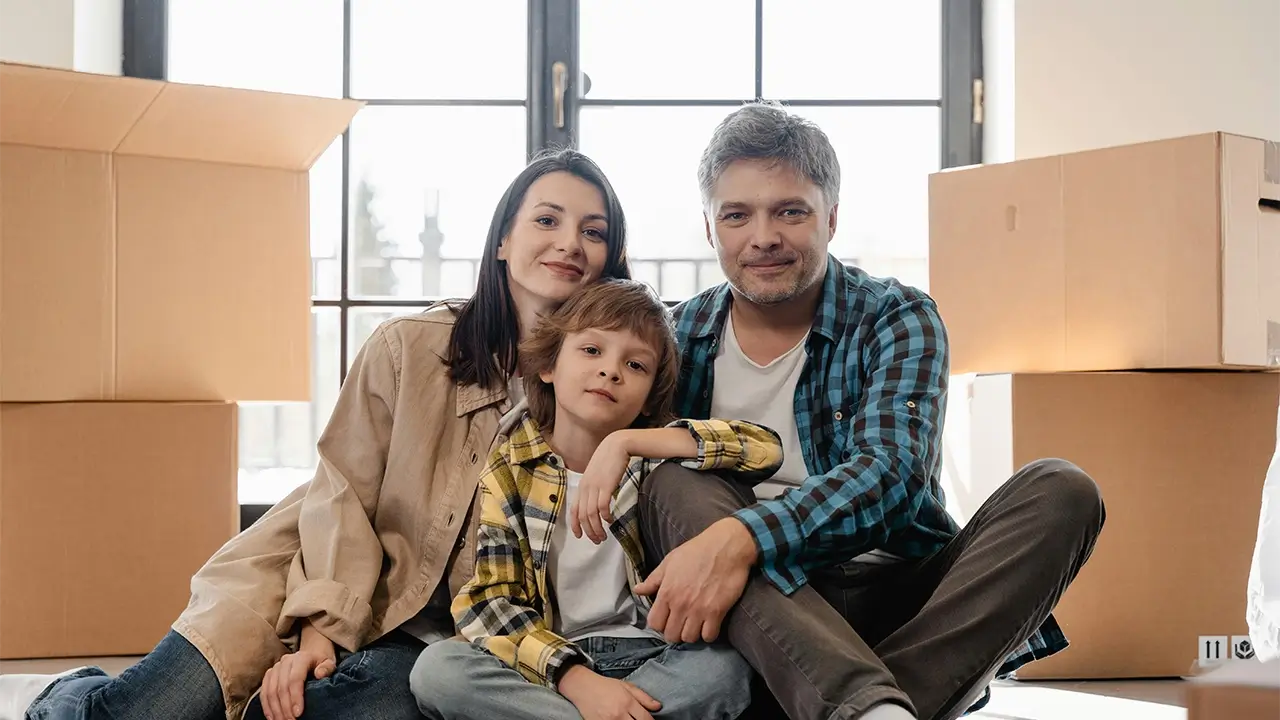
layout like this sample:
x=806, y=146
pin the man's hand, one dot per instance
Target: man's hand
x=590, y=509
x=600, y=698
x=698, y=582
x=283, y=684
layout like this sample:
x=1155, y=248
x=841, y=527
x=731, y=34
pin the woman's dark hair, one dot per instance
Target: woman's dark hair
x=484, y=345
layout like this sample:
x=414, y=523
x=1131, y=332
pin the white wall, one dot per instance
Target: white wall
x=1071, y=75
x=38, y=32
x=74, y=34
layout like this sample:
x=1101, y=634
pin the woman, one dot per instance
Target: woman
x=347, y=578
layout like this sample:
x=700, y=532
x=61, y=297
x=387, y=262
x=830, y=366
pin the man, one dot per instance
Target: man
x=844, y=582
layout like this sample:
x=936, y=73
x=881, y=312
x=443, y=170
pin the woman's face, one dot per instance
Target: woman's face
x=557, y=241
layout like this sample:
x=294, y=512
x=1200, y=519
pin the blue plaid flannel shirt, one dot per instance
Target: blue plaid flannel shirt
x=869, y=408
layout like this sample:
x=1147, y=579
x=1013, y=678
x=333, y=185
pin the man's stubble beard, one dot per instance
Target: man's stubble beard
x=811, y=274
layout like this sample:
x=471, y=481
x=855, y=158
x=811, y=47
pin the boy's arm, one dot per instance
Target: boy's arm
x=752, y=452
x=626, y=457
x=495, y=610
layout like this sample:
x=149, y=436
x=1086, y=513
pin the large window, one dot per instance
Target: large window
x=460, y=94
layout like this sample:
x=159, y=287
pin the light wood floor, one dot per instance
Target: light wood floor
x=1093, y=700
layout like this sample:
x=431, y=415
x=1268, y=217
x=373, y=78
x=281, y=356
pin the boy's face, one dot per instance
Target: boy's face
x=602, y=379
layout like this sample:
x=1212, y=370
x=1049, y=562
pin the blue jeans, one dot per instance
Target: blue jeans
x=175, y=681
x=455, y=680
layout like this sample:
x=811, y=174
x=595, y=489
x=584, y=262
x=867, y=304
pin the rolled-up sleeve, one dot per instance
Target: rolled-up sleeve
x=340, y=558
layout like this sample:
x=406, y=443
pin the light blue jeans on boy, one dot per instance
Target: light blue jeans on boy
x=456, y=680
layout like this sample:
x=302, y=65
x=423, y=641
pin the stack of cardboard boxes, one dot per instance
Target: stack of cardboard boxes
x=154, y=271
x=1121, y=309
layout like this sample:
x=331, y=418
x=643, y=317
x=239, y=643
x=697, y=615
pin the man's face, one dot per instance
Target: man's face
x=770, y=227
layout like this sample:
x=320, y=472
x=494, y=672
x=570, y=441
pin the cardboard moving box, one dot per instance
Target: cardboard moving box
x=1159, y=255
x=154, y=238
x=106, y=511
x=1180, y=459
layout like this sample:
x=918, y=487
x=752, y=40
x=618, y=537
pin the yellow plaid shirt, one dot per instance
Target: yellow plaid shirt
x=507, y=608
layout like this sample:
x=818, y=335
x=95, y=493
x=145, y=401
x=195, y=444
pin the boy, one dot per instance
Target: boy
x=553, y=622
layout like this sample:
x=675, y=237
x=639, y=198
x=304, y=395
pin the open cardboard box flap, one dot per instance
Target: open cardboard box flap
x=61, y=109
x=155, y=238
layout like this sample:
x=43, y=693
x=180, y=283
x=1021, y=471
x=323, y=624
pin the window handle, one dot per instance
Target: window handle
x=559, y=86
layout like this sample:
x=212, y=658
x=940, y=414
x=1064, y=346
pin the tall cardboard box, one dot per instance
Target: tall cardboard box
x=106, y=511
x=1180, y=458
x=1158, y=255
x=154, y=239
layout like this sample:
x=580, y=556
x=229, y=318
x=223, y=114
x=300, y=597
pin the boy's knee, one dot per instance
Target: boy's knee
x=724, y=666
x=439, y=674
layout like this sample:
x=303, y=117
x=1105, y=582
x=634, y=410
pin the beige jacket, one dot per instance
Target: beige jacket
x=360, y=548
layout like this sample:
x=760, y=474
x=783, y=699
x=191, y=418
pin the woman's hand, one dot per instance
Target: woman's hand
x=590, y=510
x=282, y=686
x=600, y=698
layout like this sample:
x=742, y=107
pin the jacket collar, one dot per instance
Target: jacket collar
x=474, y=397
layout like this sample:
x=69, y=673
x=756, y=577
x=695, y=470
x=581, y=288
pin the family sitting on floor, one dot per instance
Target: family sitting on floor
x=494, y=529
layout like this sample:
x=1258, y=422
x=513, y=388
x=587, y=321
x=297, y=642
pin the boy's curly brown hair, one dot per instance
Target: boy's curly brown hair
x=604, y=305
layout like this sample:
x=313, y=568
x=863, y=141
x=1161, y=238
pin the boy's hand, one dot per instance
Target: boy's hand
x=600, y=698
x=590, y=510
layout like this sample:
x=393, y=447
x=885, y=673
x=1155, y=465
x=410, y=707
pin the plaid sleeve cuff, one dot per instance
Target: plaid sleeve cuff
x=753, y=453
x=543, y=654
x=712, y=447
x=778, y=538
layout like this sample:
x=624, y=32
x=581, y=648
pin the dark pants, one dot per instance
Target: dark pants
x=927, y=634
x=175, y=681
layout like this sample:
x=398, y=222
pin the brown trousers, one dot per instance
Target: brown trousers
x=927, y=634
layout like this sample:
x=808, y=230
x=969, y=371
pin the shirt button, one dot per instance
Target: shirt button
x=554, y=461
x=462, y=542
x=911, y=403
x=839, y=416
x=553, y=497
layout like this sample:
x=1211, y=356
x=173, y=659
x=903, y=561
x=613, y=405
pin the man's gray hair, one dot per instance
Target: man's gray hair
x=765, y=130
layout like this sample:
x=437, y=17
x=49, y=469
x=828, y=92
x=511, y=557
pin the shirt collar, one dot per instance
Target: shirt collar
x=525, y=444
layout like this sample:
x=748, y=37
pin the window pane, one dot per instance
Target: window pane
x=326, y=222
x=425, y=181
x=418, y=49
x=292, y=46
x=656, y=180
x=821, y=49
x=658, y=185
x=668, y=49
x=886, y=156
x=278, y=440
x=362, y=321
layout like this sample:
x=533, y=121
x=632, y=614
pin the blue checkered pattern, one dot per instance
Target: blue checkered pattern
x=869, y=408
